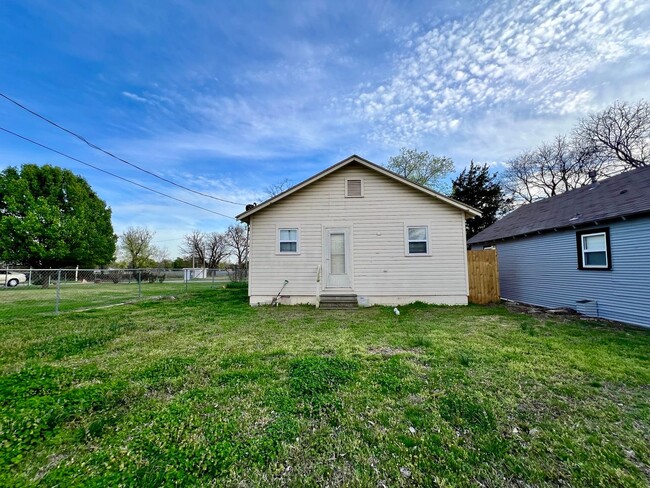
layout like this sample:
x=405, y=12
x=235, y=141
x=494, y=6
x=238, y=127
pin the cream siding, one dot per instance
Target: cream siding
x=379, y=266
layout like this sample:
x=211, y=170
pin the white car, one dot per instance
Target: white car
x=11, y=279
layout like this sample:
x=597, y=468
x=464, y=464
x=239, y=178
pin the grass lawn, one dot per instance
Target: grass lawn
x=27, y=301
x=205, y=390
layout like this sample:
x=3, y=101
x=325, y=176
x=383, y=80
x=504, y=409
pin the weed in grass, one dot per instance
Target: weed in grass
x=465, y=359
x=530, y=326
x=315, y=379
x=237, y=361
x=165, y=369
x=467, y=411
x=77, y=342
x=314, y=375
x=280, y=400
x=266, y=447
x=394, y=376
x=419, y=342
x=38, y=400
x=408, y=441
x=68, y=345
x=237, y=377
x=417, y=416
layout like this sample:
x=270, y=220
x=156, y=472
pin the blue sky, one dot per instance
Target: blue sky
x=229, y=97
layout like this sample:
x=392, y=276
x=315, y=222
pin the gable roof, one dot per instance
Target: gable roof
x=622, y=195
x=354, y=159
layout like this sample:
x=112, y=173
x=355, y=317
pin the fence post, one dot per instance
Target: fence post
x=186, y=280
x=29, y=283
x=213, y=273
x=58, y=293
x=139, y=284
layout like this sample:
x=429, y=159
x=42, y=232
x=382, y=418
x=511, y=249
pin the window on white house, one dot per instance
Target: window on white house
x=353, y=188
x=288, y=240
x=418, y=240
x=593, y=249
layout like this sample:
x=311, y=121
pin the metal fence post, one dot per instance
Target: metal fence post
x=58, y=293
x=213, y=273
x=139, y=284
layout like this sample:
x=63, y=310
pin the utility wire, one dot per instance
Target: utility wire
x=108, y=153
x=111, y=174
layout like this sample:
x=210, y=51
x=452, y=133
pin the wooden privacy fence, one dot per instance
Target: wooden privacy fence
x=483, y=274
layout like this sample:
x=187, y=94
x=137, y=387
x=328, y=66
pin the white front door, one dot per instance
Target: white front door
x=337, y=258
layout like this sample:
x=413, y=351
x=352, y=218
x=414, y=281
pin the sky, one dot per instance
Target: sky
x=230, y=97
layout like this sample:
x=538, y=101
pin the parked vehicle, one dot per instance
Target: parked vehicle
x=11, y=279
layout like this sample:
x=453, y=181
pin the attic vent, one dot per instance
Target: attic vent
x=353, y=188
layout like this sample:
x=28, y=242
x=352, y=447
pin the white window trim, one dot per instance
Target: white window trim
x=277, y=240
x=407, y=240
x=346, y=188
x=584, y=252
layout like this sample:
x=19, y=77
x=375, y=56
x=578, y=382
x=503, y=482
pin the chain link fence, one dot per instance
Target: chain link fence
x=25, y=292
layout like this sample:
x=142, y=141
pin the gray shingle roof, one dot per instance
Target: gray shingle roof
x=622, y=195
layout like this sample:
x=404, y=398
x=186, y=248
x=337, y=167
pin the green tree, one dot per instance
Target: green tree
x=50, y=218
x=136, y=246
x=422, y=168
x=180, y=262
x=476, y=187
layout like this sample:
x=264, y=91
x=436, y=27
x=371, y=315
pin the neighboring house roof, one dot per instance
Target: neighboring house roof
x=354, y=159
x=620, y=196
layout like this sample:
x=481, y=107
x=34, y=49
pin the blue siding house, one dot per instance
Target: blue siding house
x=587, y=249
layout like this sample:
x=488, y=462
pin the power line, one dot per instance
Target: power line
x=108, y=153
x=111, y=174
x=168, y=240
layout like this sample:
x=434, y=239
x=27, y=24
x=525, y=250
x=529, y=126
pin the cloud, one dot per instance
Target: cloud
x=533, y=56
x=133, y=96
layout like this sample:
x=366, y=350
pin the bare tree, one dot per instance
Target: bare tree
x=209, y=248
x=216, y=248
x=550, y=169
x=193, y=245
x=421, y=167
x=621, y=132
x=136, y=245
x=277, y=188
x=161, y=256
x=237, y=242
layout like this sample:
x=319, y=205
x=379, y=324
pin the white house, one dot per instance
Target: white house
x=358, y=230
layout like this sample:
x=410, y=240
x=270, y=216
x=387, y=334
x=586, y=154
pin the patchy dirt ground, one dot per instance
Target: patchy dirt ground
x=561, y=314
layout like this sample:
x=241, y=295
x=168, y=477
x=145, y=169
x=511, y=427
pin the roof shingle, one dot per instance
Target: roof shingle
x=622, y=195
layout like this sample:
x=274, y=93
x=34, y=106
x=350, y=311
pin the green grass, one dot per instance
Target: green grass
x=205, y=390
x=27, y=301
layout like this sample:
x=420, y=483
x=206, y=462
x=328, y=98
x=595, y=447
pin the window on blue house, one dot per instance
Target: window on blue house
x=593, y=249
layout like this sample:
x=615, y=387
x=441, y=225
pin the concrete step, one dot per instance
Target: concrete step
x=332, y=302
x=338, y=306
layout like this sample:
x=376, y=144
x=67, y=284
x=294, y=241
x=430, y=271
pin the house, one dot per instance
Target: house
x=358, y=231
x=587, y=249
